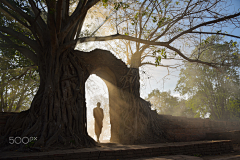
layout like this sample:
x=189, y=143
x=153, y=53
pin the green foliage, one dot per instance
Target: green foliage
x=136, y=16
x=212, y=91
x=19, y=80
x=18, y=87
x=165, y=103
x=118, y=5
x=161, y=20
x=10, y=58
x=158, y=60
x=234, y=108
x=105, y=3
x=159, y=54
x=154, y=19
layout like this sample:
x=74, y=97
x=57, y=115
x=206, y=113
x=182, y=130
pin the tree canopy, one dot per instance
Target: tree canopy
x=174, y=19
x=212, y=91
x=165, y=103
x=17, y=74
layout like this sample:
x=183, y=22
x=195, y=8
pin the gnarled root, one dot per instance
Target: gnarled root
x=139, y=124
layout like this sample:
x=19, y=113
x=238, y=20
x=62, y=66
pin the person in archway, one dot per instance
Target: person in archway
x=98, y=115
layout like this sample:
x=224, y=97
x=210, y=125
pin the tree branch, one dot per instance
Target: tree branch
x=37, y=12
x=191, y=60
x=28, y=18
x=78, y=13
x=21, y=37
x=59, y=15
x=225, y=34
x=52, y=23
x=17, y=77
x=76, y=31
x=204, y=24
x=25, y=51
x=153, y=64
x=65, y=12
x=17, y=10
x=4, y=10
x=111, y=37
x=162, y=58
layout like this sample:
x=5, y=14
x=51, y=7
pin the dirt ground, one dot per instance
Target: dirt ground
x=228, y=156
x=235, y=155
x=236, y=152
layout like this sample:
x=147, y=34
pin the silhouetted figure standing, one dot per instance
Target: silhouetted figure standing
x=98, y=115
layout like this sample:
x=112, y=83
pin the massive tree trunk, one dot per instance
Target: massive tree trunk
x=57, y=116
x=139, y=123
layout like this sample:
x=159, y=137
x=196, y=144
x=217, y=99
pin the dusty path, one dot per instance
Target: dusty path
x=113, y=151
x=234, y=155
x=229, y=156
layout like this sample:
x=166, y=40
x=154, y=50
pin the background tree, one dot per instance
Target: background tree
x=212, y=91
x=165, y=103
x=17, y=89
x=18, y=77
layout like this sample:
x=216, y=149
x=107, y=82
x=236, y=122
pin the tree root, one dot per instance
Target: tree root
x=139, y=124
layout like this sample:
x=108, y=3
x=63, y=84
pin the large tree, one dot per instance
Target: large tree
x=17, y=86
x=17, y=89
x=57, y=115
x=165, y=103
x=211, y=91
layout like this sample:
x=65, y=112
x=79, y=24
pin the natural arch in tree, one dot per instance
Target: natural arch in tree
x=147, y=124
x=110, y=69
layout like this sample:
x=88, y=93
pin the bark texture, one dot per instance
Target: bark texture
x=139, y=124
x=57, y=116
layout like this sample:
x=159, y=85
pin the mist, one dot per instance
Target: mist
x=96, y=91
